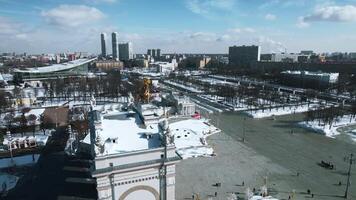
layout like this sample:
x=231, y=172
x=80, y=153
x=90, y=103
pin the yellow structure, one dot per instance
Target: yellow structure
x=147, y=87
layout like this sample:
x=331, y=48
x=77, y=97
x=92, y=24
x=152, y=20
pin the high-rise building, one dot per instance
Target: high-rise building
x=244, y=55
x=158, y=53
x=103, y=44
x=126, y=52
x=115, y=50
x=149, y=52
x=153, y=53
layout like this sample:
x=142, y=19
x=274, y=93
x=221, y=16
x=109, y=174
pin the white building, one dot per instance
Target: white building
x=283, y=57
x=165, y=67
x=130, y=160
x=317, y=76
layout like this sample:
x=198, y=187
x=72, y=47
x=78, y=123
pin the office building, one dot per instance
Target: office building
x=115, y=50
x=126, y=52
x=158, y=53
x=243, y=56
x=103, y=44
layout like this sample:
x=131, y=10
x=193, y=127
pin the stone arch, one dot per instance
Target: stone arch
x=140, y=187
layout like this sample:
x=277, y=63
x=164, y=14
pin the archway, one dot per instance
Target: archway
x=140, y=187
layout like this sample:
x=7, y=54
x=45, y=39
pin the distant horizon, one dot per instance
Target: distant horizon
x=208, y=26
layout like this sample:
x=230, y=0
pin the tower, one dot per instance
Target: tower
x=115, y=46
x=103, y=44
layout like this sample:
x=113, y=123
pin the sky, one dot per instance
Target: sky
x=178, y=26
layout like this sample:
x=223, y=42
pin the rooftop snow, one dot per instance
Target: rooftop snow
x=56, y=67
x=190, y=137
x=123, y=127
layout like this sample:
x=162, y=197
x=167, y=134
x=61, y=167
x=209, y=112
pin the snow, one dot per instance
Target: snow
x=190, y=137
x=352, y=134
x=280, y=111
x=40, y=138
x=7, y=182
x=120, y=133
x=262, y=198
x=325, y=128
x=18, y=161
x=189, y=88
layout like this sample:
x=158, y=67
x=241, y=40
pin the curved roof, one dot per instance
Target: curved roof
x=56, y=67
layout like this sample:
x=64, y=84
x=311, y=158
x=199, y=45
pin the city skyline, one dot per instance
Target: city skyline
x=181, y=26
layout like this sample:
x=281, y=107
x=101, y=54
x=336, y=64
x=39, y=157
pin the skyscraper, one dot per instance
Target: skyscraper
x=115, y=50
x=149, y=52
x=126, y=52
x=158, y=53
x=103, y=44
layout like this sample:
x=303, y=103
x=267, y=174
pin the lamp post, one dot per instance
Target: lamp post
x=9, y=138
x=351, y=161
x=243, y=130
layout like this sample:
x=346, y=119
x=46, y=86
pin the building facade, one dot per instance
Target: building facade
x=77, y=67
x=126, y=52
x=244, y=55
x=103, y=44
x=137, y=175
x=115, y=43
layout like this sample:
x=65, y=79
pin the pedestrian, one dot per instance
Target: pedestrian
x=308, y=191
x=339, y=183
x=243, y=183
x=254, y=190
x=288, y=197
x=216, y=194
x=312, y=195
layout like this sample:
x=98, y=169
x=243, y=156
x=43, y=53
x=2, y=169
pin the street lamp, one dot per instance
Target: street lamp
x=9, y=138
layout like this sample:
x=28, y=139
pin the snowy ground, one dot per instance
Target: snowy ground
x=262, y=198
x=326, y=129
x=190, y=137
x=287, y=110
x=189, y=88
x=254, y=112
x=19, y=161
x=352, y=134
x=7, y=182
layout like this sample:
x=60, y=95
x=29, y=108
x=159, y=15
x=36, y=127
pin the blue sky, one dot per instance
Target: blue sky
x=190, y=26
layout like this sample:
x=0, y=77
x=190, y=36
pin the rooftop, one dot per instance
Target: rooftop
x=56, y=67
x=121, y=132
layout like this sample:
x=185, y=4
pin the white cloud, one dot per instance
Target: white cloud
x=301, y=23
x=100, y=1
x=205, y=7
x=242, y=30
x=345, y=13
x=72, y=15
x=270, y=17
x=7, y=26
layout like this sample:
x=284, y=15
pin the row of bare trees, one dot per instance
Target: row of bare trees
x=82, y=88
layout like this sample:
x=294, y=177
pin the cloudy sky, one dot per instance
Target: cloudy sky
x=190, y=26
